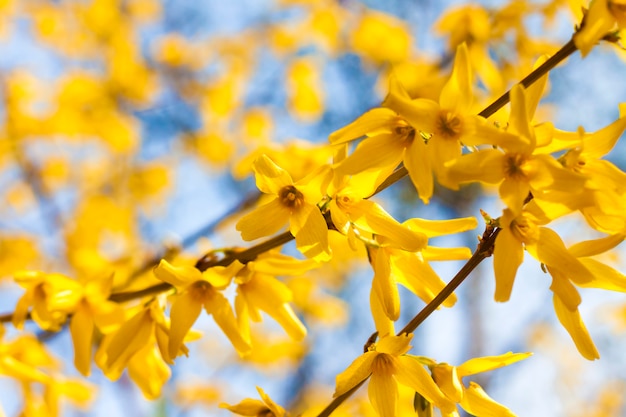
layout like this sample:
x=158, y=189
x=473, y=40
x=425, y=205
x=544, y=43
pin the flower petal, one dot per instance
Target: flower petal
x=311, y=232
x=489, y=363
x=383, y=394
x=412, y=374
x=478, y=403
x=383, y=285
x=378, y=152
x=358, y=371
x=264, y=220
x=372, y=122
x=576, y=328
x=81, y=329
x=456, y=94
x=417, y=163
x=508, y=255
x=434, y=228
x=185, y=310
x=270, y=178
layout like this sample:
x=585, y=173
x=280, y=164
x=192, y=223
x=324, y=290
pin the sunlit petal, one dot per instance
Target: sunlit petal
x=576, y=328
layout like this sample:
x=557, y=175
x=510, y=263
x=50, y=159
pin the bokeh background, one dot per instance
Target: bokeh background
x=128, y=130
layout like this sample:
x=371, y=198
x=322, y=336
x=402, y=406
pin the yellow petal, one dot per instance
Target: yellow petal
x=417, y=163
x=564, y=288
x=264, y=220
x=384, y=285
x=422, y=114
x=217, y=305
x=420, y=278
x=601, y=142
x=247, y=407
x=507, y=257
x=605, y=277
x=309, y=227
x=489, y=363
x=358, y=370
x=129, y=339
x=81, y=329
x=478, y=403
x=376, y=220
x=456, y=94
x=178, y=276
x=412, y=374
x=433, y=228
x=485, y=166
x=432, y=253
x=448, y=381
x=519, y=122
x=596, y=246
x=394, y=345
x=598, y=22
x=383, y=325
x=271, y=405
x=185, y=310
x=373, y=122
x=378, y=152
x=270, y=295
x=270, y=178
x=550, y=250
x=513, y=193
x=149, y=372
x=576, y=328
x=383, y=394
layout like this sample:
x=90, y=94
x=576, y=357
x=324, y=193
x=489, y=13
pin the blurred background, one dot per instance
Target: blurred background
x=128, y=132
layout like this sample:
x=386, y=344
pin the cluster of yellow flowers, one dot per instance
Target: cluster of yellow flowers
x=126, y=314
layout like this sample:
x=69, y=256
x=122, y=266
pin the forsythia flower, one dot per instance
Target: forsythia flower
x=353, y=214
x=447, y=124
x=256, y=408
x=388, y=366
x=258, y=290
x=519, y=169
x=197, y=290
x=295, y=203
x=472, y=399
x=602, y=17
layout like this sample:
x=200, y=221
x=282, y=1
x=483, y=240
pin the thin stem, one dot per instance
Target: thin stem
x=484, y=250
x=560, y=55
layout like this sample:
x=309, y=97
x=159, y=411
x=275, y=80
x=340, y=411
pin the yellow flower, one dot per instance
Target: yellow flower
x=40, y=287
x=519, y=232
x=92, y=311
x=602, y=17
x=446, y=124
x=518, y=168
x=388, y=365
x=353, y=213
x=295, y=203
x=257, y=291
x=606, y=182
x=196, y=290
x=472, y=399
x=256, y=408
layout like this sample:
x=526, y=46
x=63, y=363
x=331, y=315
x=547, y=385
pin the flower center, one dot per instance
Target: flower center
x=290, y=197
x=449, y=125
x=406, y=133
x=524, y=229
x=384, y=363
x=514, y=166
x=200, y=289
